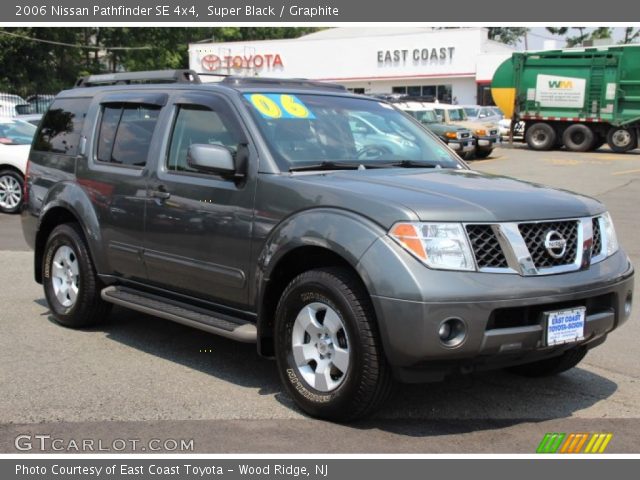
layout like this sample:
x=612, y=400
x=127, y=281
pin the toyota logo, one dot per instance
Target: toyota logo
x=555, y=244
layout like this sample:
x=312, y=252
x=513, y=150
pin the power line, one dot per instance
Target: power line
x=73, y=45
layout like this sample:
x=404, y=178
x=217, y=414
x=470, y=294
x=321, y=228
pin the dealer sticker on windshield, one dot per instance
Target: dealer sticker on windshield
x=279, y=105
x=565, y=326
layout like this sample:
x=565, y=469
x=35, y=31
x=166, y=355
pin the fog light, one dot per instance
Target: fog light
x=452, y=332
x=628, y=303
x=445, y=331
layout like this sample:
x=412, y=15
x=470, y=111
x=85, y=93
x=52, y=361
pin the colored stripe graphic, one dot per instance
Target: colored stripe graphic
x=573, y=442
x=550, y=442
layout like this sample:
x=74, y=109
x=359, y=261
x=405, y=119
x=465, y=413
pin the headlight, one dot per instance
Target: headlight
x=437, y=245
x=453, y=135
x=480, y=132
x=611, y=239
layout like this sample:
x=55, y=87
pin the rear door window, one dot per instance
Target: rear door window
x=125, y=133
x=60, y=128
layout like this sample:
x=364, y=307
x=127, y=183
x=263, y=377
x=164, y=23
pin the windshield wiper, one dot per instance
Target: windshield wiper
x=413, y=164
x=328, y=165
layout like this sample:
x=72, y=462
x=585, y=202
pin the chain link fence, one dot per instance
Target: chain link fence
x=12, y=105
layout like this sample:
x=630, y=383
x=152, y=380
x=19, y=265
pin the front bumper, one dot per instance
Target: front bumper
x=462, y=146
x=502, y=312
x=487, y=143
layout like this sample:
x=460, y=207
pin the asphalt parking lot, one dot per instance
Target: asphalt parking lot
x=141, y=377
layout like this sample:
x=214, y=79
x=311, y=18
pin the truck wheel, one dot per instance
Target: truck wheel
x=578, y=138
x=11, y=185
x=551, y=366
x=622, y=140
x=328, y=349
x=541, y=136
x=71, y=285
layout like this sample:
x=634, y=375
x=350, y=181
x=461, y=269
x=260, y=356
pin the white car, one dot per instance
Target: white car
x=15, y=142
x=504, y=126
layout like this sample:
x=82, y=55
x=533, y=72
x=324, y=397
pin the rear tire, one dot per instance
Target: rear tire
x=551, y=366
x=541, y=136
x=622, y=140
x=328, y=348
x=11, y=191
x=71, y=285
x=578, y=138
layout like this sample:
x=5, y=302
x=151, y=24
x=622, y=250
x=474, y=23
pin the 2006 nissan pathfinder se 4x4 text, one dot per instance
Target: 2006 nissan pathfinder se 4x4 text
x=250, y=209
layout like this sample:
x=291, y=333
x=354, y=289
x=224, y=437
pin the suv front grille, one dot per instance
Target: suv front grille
x=486, y=247
x=597, y=237
x=534, y=236
x=464, y=135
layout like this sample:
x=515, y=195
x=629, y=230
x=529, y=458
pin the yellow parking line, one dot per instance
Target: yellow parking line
x=624, y=172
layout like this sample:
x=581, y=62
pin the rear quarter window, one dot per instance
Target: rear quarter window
x=60, y=128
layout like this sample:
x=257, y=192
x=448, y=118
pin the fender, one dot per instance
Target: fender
x=343, y=232
x=72, y=197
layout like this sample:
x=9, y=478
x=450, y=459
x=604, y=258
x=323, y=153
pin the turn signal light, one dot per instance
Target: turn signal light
x=408, y=236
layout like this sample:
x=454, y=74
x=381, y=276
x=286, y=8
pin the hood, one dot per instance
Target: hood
x=473, y=125
x=450, y=195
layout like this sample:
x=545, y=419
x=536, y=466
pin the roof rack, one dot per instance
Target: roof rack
x=236, y=81
x=127, y=78
x=190, y=76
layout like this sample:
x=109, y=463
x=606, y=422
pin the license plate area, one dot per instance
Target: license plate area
x=564, y=326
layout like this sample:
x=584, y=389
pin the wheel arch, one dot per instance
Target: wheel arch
x=66, y=203
x=312, y=239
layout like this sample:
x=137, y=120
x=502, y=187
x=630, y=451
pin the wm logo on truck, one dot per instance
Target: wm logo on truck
x=564, y=84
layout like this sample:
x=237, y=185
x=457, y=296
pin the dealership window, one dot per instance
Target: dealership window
x=431, y=92
x=359, y=91
x=484, y=95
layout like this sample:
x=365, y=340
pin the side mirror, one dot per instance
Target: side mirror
x=482, y=115
x=211, y=159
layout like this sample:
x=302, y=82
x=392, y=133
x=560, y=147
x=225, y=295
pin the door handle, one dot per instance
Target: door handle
x=160, y=193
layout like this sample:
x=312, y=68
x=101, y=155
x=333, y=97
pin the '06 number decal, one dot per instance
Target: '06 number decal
x=279, y=105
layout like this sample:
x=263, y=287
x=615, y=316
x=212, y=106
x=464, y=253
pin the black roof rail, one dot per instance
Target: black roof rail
x=151, y=76
x=236, y=81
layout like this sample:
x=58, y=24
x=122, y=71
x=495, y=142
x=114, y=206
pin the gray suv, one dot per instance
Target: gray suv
x=251, y=209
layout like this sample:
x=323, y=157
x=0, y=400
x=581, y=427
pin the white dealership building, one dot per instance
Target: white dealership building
x=451, y=64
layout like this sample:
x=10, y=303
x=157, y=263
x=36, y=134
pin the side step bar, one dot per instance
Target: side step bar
x=157, y=306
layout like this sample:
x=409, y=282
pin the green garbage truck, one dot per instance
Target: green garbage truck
x=580, y=98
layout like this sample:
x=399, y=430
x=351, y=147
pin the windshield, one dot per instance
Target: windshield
x=424, y=116
x=457, y=115
x=472, y=112
x=307, y=129
x=16, y=132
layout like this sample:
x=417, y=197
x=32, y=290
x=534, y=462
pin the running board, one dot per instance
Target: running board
x=207, y=320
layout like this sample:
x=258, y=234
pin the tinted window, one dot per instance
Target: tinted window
x=61, y=126
x=125, y=134
x=196, y=125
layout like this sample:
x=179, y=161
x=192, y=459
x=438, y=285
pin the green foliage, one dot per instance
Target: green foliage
x=30, y=66
x=508, y=35
x=583, y=35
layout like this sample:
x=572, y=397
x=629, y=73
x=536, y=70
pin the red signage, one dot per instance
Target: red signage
x=211, y=63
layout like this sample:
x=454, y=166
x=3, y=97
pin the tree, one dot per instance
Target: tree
x=508, y=35
x=582, y=36
x=46, y=60
x=630, y=35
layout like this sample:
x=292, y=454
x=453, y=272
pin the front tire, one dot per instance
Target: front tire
x=551, y=366
x=328, y=349
x=71, y=285
x=11, y=189
x=541, y=136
